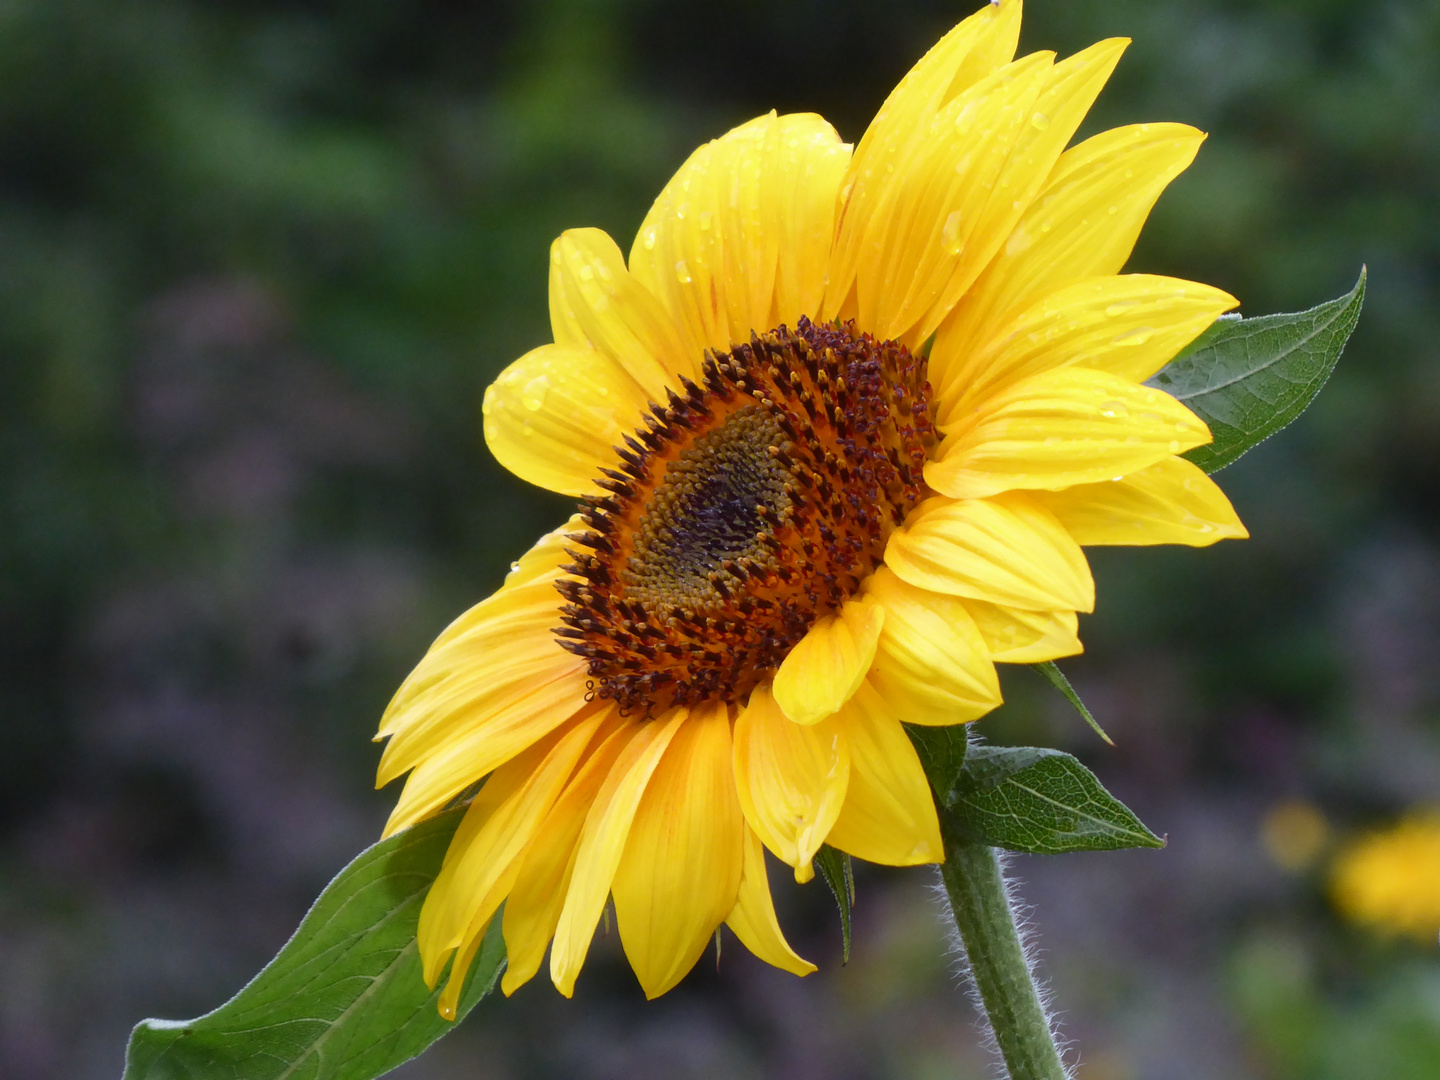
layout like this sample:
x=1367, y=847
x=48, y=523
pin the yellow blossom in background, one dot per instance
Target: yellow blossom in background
x=1390, y=880
x=1295, y=833
x=842, y=421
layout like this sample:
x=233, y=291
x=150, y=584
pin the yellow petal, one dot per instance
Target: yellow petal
x=1070, y=88
x=467, y=682
x=521, y=599
x=503, y=727
x=915, y=241
x=543, y=879
x=442, y=922
x=449, y=1002
x=1128, y=325
x=497, y=826
x=601, y=842
x=484, y=859
x=1082, y=224
x=1058, y=429
x=791, y=779
x=525, y=602
x=493, y=683
x=680, y=874
x=1171, y=502
x=595, y=303
x=957, y=199
x=753, y=918
x=931, y=663
x=968, y=53
x=829, y=663
x=1006, y=550
x=809, y=164
x=739, y=236
x=554, y=416
x=889, y=814
x=1020, y=636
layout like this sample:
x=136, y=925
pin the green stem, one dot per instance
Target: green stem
x=997, y=959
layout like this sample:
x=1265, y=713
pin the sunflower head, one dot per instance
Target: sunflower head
x=841, y=424
x=742, y=511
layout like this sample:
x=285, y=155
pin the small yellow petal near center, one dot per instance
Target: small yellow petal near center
x=830, y=662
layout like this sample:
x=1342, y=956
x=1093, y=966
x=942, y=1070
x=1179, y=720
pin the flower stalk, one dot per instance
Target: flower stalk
x=986, y=921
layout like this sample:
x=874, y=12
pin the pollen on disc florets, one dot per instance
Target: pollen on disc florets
x=744, y=510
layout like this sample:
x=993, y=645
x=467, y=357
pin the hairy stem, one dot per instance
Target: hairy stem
x=997, y=959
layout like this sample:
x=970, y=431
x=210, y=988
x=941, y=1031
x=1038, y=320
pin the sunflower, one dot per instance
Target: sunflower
x=840, y=426
x=1389, y=879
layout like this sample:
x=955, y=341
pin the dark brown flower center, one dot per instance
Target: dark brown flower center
x=743, y=511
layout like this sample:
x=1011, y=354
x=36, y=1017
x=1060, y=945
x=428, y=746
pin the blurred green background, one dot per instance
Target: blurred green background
x=257, y=263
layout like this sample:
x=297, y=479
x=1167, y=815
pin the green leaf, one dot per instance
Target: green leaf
x=835, y=868
x=1060, y=682
x=942, y=754
x=1044, y=802
x=1248, y=378
x=343, y=1000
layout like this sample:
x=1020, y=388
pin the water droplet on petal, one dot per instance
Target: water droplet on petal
x=682, y=273
x=1138, y=336
x=1174, y=446
x=965, y=118
x=533, y=396
x=1040, y=121
x=1120, y=307
x=514, y=566
x=950, y=234
x=1116, y=410
x=648, y=240
x=705, y=217
x=587, y=273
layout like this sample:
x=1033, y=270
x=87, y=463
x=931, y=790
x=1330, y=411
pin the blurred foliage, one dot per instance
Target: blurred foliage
x=1381, y=1027
x=257, y=262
